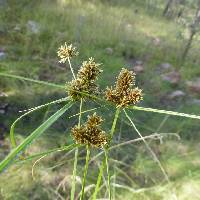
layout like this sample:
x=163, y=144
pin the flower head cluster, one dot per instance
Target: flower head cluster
x=66, y=51
x=123, y=94
x=90, y=133
x=85, y=81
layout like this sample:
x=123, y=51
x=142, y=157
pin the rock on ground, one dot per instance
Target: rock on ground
x=176, y=94
x=109, y=50
x=33, y=27
x=194, y=86
x=2, y=54
x=173, y=77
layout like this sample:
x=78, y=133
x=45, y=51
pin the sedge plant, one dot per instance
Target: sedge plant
x=83, y=87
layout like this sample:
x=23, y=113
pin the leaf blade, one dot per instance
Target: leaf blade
x=12, y=134
x=31, y=80
x=36, y=133
x=166, y=112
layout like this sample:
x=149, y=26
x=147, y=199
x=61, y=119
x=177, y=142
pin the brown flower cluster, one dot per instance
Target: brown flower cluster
x=90, y=133
x=85, y=81
x=123, y=94
x=66, y=51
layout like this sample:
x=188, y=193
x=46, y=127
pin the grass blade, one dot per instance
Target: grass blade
x=51, y=85
x=36, y=133
x=165, y=112
x=155, y=158
x=12, y=135
x=59, y=149
x=31, y=80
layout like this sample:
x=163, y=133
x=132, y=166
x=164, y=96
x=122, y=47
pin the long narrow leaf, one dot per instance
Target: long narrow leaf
x=31, y=80
x=154, y=156
x=12, y=135
x=165, y=112
x=50, y=84
x=59, y=149
x=35, y=134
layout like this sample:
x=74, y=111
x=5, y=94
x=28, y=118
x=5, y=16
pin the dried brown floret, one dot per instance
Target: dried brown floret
x=85, y=82
x=76, y=89
x=123, y=94
x=112, y=95
x=125, y=80
x=90, y=133
x=66, y=51
x=94, y=120
x=89, y=70
x=135, y=95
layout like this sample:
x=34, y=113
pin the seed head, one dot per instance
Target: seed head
x=90, y=133
x=135, y=95
x=94, y=120
x=85, y=82
x=125, y=80
x=123, y=94
x=75, y=89
x=89, y=70
x=66, y=51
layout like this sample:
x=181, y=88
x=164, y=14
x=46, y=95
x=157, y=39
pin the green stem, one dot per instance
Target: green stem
x=99, y=180
x=108, y=173
x=114, y=124
x=76, y=156
x=114, y=181
x=71, y=68
x=106, y=150
x=80, y=113
x=85, y=171
x=105, y=161
x=74, y=174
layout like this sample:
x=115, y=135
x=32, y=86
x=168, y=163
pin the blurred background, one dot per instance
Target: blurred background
x=158, y=39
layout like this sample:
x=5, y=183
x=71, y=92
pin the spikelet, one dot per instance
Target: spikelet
x=66, y=51
x=85, y=82
x=89, y=71
x=90, y=133
x=125, y=80
x=123, y=94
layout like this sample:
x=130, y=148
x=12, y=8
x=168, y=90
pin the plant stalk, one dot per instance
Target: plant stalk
x=114, y=124
x=99, y=180
x=85, y=171
x=71, y=68
x=105, y=161
x=76, y=157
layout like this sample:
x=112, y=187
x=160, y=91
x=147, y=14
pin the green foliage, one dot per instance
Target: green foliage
x=36, y=133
